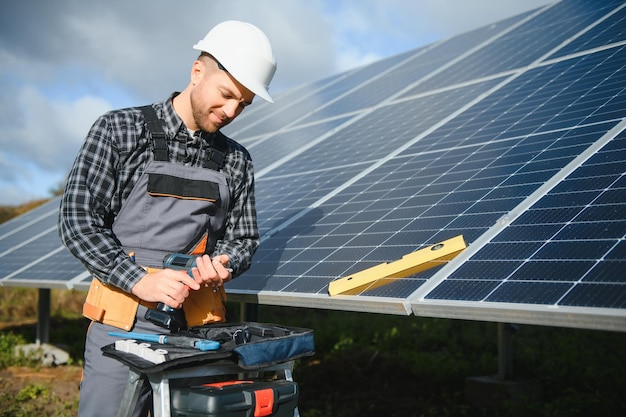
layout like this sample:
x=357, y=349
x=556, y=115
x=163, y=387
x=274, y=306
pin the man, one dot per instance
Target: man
x=134, y=195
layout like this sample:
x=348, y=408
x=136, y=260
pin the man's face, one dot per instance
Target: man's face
x=216, y=98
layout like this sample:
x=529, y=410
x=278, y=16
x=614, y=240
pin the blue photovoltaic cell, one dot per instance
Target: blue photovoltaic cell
x=521, y=293
x=494, y=169
x=607, y=296
x=553, y=270
x=609, y=271
x=463, y=290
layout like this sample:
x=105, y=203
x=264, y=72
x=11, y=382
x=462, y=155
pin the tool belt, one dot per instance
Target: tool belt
x=110, y=305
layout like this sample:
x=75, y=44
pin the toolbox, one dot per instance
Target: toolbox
x=245, y=351
x=236, y=399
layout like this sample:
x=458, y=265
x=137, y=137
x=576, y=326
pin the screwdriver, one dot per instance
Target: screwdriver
x=180, y=341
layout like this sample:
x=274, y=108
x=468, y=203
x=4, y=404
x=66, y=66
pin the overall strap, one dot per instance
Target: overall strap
x=155, y=126
x=218, y=153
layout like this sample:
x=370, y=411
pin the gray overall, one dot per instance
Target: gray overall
x=172, y=208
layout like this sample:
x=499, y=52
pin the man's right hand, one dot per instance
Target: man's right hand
x=167, y=285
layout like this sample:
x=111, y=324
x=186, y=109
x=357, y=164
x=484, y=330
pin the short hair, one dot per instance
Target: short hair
x=204, y=54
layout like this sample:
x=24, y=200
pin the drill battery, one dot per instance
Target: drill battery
x=236, y=399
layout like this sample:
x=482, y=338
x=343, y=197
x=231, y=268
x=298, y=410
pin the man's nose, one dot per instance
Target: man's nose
x=230, y=108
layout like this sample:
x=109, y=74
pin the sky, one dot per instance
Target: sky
x=65, y=62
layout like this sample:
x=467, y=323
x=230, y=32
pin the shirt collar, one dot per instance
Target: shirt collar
x=172, y=122
x=174, y=125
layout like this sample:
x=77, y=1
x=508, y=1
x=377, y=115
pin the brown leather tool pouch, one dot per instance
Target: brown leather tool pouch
x=110, y=305
x=205, y=306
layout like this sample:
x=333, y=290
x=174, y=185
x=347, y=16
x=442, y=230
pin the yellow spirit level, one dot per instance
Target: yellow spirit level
x=408, y=265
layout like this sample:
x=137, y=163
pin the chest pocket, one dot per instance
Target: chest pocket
x=163, y=185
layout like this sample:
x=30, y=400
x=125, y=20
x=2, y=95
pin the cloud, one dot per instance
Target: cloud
x=65, y=62
x=41, y=140
x=50, y=130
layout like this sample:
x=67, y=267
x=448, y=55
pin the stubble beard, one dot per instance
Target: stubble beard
x=200, y=117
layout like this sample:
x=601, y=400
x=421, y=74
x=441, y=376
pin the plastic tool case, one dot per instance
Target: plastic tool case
x=236, y=399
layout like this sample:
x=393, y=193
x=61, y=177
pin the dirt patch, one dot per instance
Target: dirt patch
x=62, y=381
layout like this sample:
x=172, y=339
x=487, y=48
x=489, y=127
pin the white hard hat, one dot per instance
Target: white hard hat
x=245, y=52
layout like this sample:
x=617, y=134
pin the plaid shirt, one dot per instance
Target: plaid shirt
x=108, y=166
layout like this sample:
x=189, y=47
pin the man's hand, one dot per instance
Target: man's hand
x=168, y=286
x=212, y=271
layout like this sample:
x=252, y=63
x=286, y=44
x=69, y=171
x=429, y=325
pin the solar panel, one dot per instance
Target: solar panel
x=32, y=254
x=566, y=250
x=512, y=135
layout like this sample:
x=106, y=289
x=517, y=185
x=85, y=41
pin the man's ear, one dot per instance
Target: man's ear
x=197, y=71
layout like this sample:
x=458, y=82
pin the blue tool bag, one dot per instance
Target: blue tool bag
x=250, y=345
x=260, y=344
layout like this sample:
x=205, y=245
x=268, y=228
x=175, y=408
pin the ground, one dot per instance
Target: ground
x=63, y=380
x=47, y=391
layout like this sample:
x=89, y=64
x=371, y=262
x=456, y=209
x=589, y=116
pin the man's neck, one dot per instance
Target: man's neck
x=182, y=106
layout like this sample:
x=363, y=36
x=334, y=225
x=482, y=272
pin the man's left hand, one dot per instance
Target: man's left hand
x=212, y=271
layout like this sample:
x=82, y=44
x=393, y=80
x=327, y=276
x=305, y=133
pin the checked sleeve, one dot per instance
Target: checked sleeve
x=91, y=200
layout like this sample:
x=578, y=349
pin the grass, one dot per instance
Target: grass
x=369, y=364
x=374, y=365
x=36, y=399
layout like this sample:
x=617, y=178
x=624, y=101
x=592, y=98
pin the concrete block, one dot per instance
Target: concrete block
x=492, y=392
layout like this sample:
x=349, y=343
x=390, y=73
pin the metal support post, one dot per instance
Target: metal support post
x=43, y=317
x=505, y=351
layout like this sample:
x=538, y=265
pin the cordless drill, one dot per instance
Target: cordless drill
x=163, y=315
